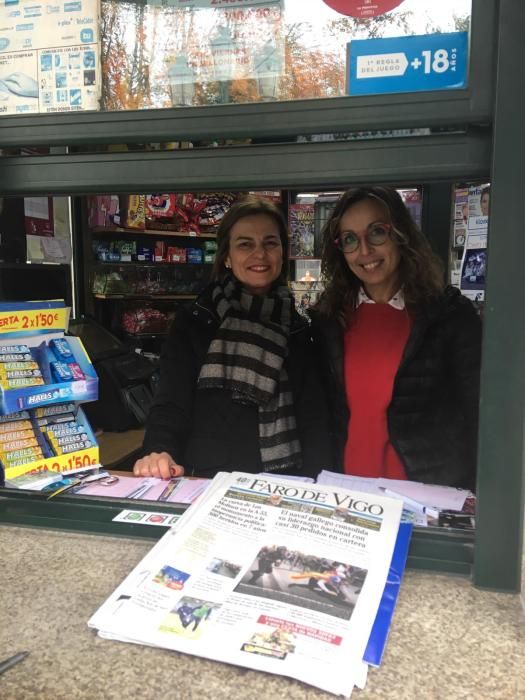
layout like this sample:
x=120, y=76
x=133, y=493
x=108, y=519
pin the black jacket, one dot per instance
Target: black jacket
x=204, y=430
x=433, y=415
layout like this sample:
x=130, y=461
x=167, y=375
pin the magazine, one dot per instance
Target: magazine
x=278, y=576
x=376, y=643
x=179, y=490
x=302, y=230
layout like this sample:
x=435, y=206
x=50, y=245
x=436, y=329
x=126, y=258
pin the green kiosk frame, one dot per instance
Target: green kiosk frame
x=486, y=145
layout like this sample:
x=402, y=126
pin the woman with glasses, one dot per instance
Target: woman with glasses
x=240, y=387
x=402, y=350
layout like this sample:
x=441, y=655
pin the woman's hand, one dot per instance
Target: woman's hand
x=158, y=464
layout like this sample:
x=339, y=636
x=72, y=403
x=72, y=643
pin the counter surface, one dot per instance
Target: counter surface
x=447, y=639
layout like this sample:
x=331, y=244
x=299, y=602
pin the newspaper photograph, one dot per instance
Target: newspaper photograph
x=273, y=575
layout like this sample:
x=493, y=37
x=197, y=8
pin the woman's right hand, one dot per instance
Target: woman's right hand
x=158, y=464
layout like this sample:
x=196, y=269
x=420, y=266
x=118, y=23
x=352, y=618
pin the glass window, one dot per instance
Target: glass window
x=206, y=52
x=117, y=55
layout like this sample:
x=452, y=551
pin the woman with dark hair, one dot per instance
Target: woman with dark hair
x=402, y=350
x=239, y=386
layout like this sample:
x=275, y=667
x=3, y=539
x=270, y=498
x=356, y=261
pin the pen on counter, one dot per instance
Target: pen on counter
x=12, y=660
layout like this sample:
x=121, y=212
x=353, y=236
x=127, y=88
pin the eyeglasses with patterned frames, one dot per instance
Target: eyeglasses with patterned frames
x=375, y=234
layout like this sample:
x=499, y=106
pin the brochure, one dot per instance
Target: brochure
x=278, y=576
x=427, y=502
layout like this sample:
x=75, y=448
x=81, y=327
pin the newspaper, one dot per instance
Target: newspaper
x=278, y=576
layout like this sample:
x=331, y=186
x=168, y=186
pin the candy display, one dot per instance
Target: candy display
x=38, y=365
x=186, y=212
x=101, y=210
x=18, y=367
x=194, y=255
x=43, y=377
x=61, y=349
x=44, y=433
x=150, y=280
x=175, y=254
x=146, y=319
x=133, y=211
x=217, y=204
x=160, y=205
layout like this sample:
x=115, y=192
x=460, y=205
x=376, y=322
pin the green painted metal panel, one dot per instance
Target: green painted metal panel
x=436, y=551
x=267, y=120
x=399, y=160
x=436, y=218
x=501, y=473
x=79, y=513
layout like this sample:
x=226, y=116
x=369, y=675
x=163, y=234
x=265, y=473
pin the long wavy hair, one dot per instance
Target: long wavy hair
x=249, y=206
x=420, y=270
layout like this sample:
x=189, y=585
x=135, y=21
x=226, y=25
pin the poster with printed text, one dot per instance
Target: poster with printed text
x=49, y=57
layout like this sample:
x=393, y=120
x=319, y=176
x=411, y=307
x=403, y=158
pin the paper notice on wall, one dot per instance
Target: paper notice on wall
x=56, y=250
x=49, y=57
x=38, y=216
x=53, y=250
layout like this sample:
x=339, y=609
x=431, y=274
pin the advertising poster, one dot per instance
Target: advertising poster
x=363, y=8
x=408, y=63
x=302, y=230
x=38, y=216
x=18, y=83
x=49, y=57
x=474, y=262
x=479, y=200
x=68, y=79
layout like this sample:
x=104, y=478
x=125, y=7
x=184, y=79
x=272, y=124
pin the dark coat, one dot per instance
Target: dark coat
x=433, y=415
x=205, y=430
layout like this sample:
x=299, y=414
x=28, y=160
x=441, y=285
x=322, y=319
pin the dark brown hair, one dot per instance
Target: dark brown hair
x=249, y=206
x=420, y=270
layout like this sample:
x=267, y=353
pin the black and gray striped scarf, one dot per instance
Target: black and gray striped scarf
x=247, y=356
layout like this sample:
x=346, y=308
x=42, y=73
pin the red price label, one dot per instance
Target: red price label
x=39, y=320
x=363, y=8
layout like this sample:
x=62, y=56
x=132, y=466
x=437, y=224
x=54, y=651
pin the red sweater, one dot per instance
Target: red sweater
x=374, y=345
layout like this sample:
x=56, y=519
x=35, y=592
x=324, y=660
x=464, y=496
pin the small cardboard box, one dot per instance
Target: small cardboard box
x=58, y=463
x=33, y=325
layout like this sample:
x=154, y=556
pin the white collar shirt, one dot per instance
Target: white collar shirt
x=397, y=301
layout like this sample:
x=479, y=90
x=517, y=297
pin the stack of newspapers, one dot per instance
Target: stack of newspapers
x=287, y=577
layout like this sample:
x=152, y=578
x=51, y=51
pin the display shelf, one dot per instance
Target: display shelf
x=144, y=336
x=148, y=297
x=138, y=263
x=152, y=232
x=449, y=156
